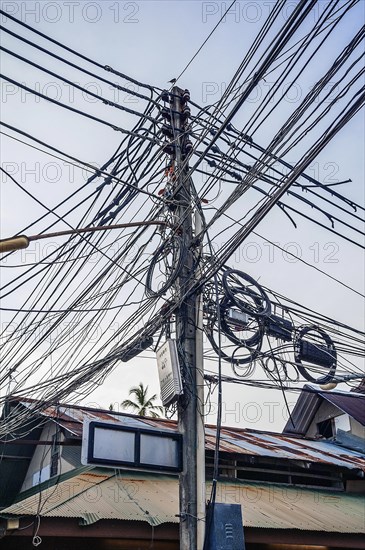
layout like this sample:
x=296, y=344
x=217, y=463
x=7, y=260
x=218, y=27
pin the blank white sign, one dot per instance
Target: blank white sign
x=114, y=445
x=159, y=451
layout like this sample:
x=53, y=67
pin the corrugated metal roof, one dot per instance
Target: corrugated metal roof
x=280, y=446
x=72, y=418
x=233, y=440
x=95, y=495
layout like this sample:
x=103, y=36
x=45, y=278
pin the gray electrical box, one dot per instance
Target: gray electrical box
x=169, y=372
x=226, y=531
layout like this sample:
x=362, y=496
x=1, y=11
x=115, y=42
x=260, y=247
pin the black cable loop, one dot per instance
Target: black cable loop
x=177, y=246
x=242, y=371
x=253, y=351
x=260, y=298
x=331, y=350
x=227, y=330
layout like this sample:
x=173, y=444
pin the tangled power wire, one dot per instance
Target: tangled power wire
x=64, y=338
x=246, y=319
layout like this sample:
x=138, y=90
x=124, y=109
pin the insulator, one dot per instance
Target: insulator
x=165, y=96
x=168, y=148
x=186, y=96
x=188, y=147
x=165, y=113
x=15, y=243
x=166, y=130
x=186, y=113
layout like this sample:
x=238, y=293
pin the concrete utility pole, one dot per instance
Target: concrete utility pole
x=200, y=450
x=186, y=322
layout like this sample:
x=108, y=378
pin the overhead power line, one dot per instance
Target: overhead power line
x=205, y=41
x=74, y=52
x=73, y=109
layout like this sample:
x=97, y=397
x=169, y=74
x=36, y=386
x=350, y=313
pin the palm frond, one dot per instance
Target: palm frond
x=143, y=405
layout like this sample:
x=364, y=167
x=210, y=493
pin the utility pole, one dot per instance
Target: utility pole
x=186, y=323
x=200, y=450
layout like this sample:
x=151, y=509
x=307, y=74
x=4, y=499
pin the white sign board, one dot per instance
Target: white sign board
x=113, y=445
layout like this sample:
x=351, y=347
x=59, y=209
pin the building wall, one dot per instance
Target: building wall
x=42, y=459
x=327, y=411
x=357, y=429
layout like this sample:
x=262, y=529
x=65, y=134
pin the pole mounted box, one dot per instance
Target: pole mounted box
x=316, y=353
x=239, y=317
x=279, y=327
x=226, y=531
x=169, y=372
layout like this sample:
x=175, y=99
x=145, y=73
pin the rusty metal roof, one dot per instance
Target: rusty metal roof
x=71, y=417
x=98, y=494
x=233, y=440
x=281, y=446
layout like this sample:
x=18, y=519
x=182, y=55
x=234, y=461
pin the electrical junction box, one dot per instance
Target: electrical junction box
x=226, y=531
x=238, y=317
x=279, y=327
x=316, y=353
x=169, y=372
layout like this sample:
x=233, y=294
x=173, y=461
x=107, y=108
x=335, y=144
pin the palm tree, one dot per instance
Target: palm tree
x=143, y=405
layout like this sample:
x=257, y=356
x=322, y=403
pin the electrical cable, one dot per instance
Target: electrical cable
x=205, y=41
x=129, y=91
x=69, y=108
x=105, y=101
x=74, y=52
